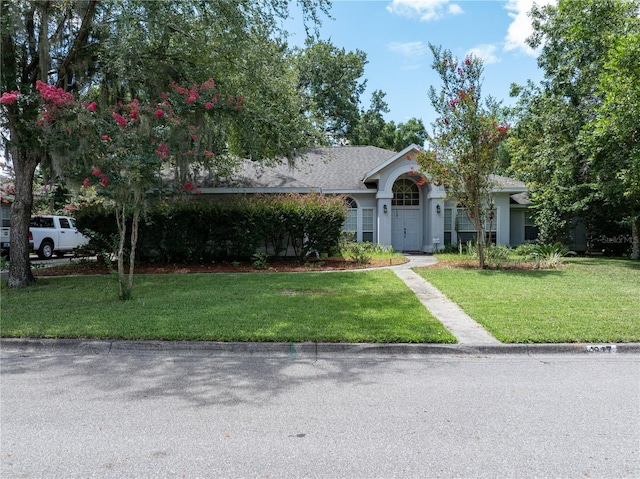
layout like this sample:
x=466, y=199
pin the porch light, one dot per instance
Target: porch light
x=438, y=208
x=384, y=208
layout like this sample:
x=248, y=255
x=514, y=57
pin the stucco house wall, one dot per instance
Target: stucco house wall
x=390, y=208
x=517, y=225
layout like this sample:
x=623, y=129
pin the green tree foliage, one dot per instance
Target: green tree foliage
x=548, y=147
x=463, y=150
x=372, y=129
x=613, y=137
x=329, y=82
x=121, y=50
x=38, y=38
x=411, y=132
x=237, y=43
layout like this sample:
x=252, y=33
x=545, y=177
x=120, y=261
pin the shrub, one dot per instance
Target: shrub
x=548, y=255
x=495, y=255
x=525, y=250
x=260, y=261
x=203, y=231
x=360, y=253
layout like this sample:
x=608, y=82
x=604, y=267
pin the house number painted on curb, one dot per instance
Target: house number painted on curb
x=608, y=348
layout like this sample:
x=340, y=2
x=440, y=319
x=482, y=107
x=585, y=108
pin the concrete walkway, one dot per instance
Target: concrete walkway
x=461, y=325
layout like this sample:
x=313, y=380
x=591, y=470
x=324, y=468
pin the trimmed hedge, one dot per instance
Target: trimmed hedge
x=203, y=231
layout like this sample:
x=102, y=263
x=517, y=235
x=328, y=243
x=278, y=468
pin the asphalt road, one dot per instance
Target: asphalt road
x=187, y=414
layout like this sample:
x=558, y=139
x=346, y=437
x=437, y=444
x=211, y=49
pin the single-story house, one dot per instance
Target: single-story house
x=388, y=206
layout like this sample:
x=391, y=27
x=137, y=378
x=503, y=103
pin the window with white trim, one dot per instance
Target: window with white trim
x=351, y=223
x=448, y=225
x=367, y=224
x=467, y=231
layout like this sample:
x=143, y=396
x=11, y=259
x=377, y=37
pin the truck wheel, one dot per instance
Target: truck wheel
x=46, y=250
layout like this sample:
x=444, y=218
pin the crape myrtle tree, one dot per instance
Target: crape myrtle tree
x=132, y=49
x=565, y=143
x=134, y=143
x=462, y=152
x=128, y=146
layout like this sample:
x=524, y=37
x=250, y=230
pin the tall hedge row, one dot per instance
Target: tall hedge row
x=205, y=231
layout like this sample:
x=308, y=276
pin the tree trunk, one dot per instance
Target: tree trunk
x=134, y=240
x=20, y=274
x=478, y=221
x=635, y=238
x=121, y=219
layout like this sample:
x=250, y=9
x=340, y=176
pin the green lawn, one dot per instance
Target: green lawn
x=589, y=300
x=371, y=306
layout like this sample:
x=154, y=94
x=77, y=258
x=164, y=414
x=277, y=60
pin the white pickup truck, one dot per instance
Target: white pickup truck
x=54, y=234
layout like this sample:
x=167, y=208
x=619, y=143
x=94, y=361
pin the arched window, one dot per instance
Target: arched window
x=351, y=223
x=405, y=193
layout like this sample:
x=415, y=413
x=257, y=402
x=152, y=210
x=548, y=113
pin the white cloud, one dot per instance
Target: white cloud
x=411, y=53
x=455, y=9
x=409, y=49
x=486, y=52
x=425, y=9
x=520, y=28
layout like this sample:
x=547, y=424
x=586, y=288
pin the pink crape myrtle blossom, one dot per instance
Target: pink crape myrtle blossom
x=120, y=120
x=162, y=151
x=9, y=98
x=55, y=96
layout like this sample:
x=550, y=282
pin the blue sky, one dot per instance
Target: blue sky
x=395, y=35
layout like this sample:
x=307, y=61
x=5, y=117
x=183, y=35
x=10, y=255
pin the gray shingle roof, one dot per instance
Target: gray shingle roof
x=330, y=169
x=506, y=183
x=338, y=168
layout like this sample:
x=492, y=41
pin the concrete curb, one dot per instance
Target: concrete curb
x=306, y=350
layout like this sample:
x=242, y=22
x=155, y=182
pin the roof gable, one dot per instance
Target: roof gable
x=402, y=154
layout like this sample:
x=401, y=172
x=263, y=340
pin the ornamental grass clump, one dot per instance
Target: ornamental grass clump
x=548, y=255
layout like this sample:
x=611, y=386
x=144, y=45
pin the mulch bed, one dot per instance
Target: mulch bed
x=473, y=264
x=88, y=267
x=85, y=267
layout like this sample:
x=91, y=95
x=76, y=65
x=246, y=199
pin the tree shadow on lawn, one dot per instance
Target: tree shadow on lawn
x=602, y=261
x=193, y=378
x=523, y=273
x=510, y=271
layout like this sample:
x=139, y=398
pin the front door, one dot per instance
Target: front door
x=404, y=230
